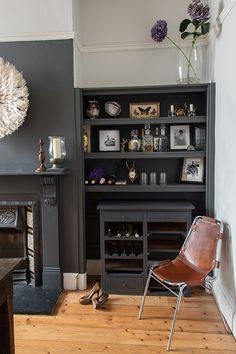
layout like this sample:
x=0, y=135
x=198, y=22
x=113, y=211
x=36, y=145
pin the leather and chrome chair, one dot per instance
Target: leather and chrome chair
x=197, y=264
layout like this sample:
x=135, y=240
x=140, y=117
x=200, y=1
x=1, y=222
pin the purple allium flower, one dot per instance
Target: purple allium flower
x=159, y=31
x=198, y=11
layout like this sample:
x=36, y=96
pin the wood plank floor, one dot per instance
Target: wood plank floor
x=75, y=328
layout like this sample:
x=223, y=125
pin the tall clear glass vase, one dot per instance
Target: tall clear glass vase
x=189, y=68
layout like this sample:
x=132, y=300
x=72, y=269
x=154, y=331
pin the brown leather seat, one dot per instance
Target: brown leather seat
x=198, y=257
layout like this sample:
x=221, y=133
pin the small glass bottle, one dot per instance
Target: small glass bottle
x=156, y=140
x=135, y=142
x=163, y=142
x=147, y=139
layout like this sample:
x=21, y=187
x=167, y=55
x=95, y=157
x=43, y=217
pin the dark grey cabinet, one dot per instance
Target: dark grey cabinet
x=136, y=234
x=200, y=195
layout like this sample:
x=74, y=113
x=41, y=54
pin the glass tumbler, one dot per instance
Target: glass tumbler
x=153, y=178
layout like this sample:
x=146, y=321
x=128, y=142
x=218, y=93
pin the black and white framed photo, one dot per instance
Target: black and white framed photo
x=193, y=170
x=109, y=140
x=179, y=137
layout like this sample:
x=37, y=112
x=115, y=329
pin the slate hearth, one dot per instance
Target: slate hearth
x=28, y=299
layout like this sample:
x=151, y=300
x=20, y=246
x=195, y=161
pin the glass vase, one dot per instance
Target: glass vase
x=189, y=68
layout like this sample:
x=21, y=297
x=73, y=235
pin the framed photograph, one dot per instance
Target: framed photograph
x=179, y=137
x=144, y=110
x=109, y=140
x=193, y=170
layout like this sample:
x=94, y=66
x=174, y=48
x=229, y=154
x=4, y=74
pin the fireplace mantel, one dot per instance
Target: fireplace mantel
x=20, y=187
x=33, y=173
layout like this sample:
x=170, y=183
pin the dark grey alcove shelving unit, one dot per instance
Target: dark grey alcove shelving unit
x=200, y=195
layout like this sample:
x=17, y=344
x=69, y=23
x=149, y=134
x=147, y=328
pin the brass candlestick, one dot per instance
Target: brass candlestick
x=41, y=168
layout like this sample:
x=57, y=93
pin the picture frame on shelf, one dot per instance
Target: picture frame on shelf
x=200, y=138
x=144, y=110
x=192, y=170
x=109, y=140
x=179, y=137
x=87, y=138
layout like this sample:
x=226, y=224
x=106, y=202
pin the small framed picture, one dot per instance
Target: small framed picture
x=200, y=138
x=144, y=110
x=109, y=140
x=193, y=170
x=87, y=138
x=179, y=137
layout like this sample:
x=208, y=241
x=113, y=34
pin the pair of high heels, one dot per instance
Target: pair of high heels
x=94, y=297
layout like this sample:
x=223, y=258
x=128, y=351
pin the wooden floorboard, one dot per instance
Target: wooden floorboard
x=75, y=328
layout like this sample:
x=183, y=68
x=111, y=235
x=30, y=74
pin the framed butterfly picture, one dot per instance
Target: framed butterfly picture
x=144, y=110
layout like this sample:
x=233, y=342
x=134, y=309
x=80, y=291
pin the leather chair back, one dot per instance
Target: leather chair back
x=200, y=247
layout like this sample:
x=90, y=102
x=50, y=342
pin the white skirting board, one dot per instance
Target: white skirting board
x=227, y=308
x=70, y=281
x=77, y=281
x=74, y=281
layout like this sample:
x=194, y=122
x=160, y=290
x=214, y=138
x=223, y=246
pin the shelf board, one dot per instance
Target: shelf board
x=123, y=257
x=144, y=155
x=152, y=233
x=115, y=238
x=140, y=188
x=135, y=121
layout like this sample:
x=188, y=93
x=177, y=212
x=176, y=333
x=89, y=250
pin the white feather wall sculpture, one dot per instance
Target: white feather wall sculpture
x=14, y=100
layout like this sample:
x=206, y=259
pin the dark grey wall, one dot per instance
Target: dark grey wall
x=47, y=67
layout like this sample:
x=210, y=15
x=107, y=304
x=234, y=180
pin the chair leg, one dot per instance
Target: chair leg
x=181, y=289
x=144, y=294
x=227, y=329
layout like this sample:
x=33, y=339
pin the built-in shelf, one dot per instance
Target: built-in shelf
x=135, y=121
x=148, y=188
x=143, y=155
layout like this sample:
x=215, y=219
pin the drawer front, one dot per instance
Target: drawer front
x=122, y=284
x=166, y=216
x=120, y=215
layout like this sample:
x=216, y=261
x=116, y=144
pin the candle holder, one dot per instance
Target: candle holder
x=57, y=151
x=42, y=167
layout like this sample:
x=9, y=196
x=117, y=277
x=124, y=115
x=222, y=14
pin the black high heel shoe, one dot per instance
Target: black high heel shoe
x=87, y=299
x=99, y=301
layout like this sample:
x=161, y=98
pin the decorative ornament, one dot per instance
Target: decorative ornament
x=13, y=98
x=112, y=108
x=132, y=172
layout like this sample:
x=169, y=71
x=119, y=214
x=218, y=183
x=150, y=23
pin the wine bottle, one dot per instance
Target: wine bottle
x=93, y=181
x=111, y=179
x=102, y=180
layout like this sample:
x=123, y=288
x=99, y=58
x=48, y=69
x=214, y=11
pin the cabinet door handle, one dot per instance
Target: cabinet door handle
x=123, y=217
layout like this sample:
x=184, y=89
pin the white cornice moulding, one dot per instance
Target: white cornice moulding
x=37, y=37
x=215, y=29
x=226, y=10
x=132, y=46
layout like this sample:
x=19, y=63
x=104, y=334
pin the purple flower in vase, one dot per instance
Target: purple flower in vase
x=198, y=11
x=159, y=31
x=199, y=26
